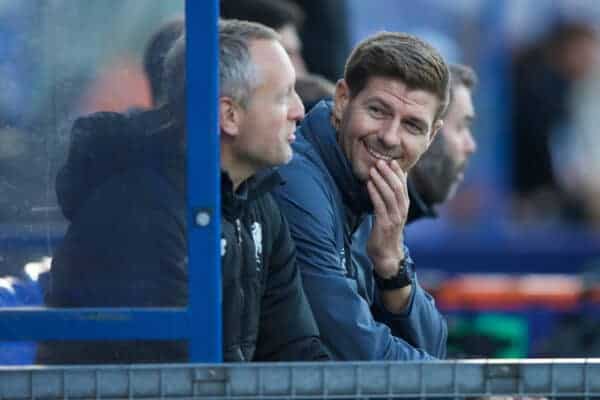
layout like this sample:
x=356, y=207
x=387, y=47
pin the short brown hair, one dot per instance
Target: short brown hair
x=401, y=56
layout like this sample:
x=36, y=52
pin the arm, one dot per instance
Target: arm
x=421, y=324
x=408, y=310
x=288, y=331
x=344, y=317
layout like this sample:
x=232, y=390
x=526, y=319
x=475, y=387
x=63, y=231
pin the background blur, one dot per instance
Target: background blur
x=513, y=260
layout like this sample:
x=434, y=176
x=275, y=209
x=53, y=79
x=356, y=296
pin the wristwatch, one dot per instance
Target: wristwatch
x=403, y=278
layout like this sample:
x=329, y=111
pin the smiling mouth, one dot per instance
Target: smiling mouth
x=376, y=154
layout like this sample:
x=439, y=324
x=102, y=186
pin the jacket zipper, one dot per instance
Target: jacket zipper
x=238, y=230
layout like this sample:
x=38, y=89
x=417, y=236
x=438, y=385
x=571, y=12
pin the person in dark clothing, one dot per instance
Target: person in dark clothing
x=283, y=16
x=123, y=189
x=351, y=160
x=328, y=41
x=154, y=56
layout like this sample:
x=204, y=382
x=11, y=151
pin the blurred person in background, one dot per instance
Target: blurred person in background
x=123, y=189
x=544, y=76
x=582, y=163
x=351, y=160
x=154, y=56
x=438, y=173
x=283, y=16
x=326, y=42
x=312, y=89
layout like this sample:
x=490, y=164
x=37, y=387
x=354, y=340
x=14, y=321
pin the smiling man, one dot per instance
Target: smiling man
x=351, y=160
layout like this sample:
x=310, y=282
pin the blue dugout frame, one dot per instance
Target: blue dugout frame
x=200, y=322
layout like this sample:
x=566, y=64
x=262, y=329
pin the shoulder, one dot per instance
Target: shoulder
x=101, y=123
x=305, y=179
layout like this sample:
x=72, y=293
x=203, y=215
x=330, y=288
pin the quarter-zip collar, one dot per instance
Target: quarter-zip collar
x=418, y=207
x=317, y=129
x=233, y=202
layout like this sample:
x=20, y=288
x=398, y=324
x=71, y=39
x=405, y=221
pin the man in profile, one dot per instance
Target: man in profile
x=123, y=190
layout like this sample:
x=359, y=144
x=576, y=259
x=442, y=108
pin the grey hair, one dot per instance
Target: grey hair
x=237, y=73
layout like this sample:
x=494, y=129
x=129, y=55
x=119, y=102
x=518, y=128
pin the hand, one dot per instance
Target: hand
x=389, y=195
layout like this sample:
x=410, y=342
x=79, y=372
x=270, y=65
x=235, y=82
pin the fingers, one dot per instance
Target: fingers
x=395, y=177
x=389, y=183
x=377, y=200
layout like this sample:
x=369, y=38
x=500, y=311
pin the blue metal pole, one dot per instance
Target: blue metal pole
x=203, y=181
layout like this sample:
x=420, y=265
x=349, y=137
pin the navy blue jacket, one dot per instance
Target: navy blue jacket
x=324, y=204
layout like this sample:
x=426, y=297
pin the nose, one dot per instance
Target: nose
x=470, y=143
x=390, y=134
x=296, y=109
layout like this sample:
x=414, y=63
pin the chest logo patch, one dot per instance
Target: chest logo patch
x=223, y=246
x=257, y=238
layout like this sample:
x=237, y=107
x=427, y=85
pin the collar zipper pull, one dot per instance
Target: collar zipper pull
x=238, y=230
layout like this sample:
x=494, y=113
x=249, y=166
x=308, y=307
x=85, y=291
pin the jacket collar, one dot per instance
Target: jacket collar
x=233, y=202
x=418, y=207
x=318, y=131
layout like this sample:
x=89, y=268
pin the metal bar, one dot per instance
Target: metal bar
x=36, y=323
x=310, y=380
x=203, y=177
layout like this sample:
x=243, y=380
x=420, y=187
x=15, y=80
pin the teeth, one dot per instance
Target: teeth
x=378, y=155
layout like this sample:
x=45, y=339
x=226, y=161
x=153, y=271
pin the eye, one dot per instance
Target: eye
x=376, y=111
x=414, y=128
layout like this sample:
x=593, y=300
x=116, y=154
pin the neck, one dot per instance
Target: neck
x=237, y=173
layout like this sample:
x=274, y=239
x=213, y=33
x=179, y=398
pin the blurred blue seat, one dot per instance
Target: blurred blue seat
x=16, y=292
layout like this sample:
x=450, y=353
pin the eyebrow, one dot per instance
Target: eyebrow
x=419, y=122
x=380, y=102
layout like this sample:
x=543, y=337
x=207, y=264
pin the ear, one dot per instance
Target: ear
x=436, y=129
x=230, y=116
x=341, y=99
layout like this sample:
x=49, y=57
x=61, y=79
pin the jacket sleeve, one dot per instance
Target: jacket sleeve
x=422, y=325
x=344, y=317
x=288, y=331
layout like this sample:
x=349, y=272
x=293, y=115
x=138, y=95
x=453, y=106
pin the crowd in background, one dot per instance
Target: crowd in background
x=538, y=159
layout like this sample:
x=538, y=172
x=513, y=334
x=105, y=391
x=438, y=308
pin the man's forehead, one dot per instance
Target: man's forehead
x=398, y=94
x=462, y=101
x=270, y=59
